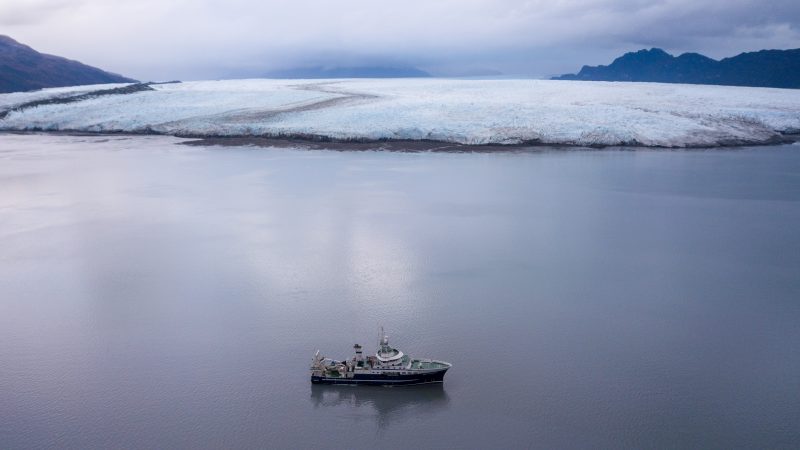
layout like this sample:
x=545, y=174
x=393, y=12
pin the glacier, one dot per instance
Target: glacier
x=470, y=112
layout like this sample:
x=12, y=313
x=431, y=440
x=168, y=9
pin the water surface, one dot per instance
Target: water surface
x=154, y=295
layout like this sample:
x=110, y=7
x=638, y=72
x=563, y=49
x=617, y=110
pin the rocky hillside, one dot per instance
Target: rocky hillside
x=24, y=69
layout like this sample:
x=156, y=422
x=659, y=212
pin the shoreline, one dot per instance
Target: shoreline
x=408, y=145
x=314, y=142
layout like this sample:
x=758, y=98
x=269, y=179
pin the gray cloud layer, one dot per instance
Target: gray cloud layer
x=190, y=39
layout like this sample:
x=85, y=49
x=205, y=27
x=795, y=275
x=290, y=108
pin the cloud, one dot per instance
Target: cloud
x=32, y=12
x=214, y=38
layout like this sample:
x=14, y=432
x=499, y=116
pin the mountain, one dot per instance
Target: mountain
x=350, y=72
x=766, y=68
x=24, y=69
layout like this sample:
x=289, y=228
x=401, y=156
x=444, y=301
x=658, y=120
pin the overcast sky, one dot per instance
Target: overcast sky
x=196, y=39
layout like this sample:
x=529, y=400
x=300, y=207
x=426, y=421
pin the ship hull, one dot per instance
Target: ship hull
x=385, y=379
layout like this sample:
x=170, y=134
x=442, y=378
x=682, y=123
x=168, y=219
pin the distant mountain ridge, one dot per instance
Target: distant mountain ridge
x=350, y=72
x=24, y=69
x=765, y=68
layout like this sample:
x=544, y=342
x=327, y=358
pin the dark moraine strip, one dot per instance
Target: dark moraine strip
x=130, y=89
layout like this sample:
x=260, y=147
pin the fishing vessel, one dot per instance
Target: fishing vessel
x=388, y=367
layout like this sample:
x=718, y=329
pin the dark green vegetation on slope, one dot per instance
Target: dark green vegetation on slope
x=766, y=68
x=24, y=69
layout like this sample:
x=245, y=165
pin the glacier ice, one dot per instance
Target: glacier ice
x=450, y=110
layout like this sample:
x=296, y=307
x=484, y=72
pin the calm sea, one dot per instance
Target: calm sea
x=154, y=295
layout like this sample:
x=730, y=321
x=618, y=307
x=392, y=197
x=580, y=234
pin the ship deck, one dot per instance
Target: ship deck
x=427, y=365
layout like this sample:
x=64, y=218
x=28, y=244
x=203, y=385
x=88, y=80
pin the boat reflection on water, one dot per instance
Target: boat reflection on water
x=390, y=403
